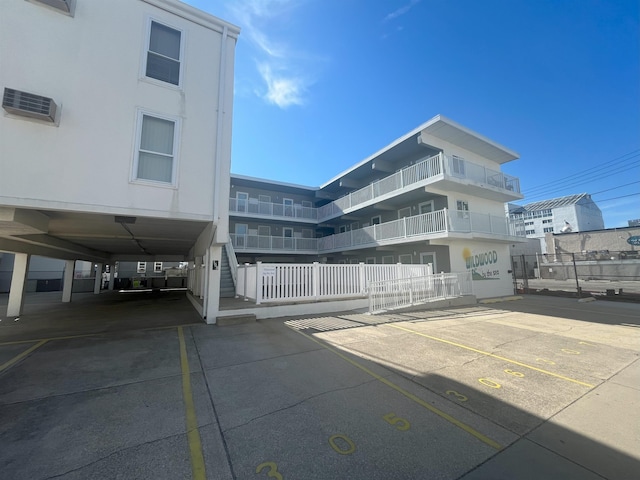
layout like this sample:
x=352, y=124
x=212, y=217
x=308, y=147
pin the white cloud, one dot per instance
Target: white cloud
x=401, y=11
x=282, y=90
x=276, y=61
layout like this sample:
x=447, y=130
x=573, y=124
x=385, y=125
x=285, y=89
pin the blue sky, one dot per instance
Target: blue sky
x=323, y=84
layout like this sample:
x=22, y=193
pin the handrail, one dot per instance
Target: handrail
x=233, y=261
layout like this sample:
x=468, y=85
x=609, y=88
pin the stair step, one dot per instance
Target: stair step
x=241, y=319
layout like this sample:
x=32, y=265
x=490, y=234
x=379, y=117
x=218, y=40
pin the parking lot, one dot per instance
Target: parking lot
x=540, y=387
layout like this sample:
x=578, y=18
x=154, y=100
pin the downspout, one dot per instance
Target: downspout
x=217, y=167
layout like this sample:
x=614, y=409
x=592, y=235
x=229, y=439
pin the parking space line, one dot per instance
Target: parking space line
x=409, y=395
x=193, y=434
x=488, y=354
x=20, y=356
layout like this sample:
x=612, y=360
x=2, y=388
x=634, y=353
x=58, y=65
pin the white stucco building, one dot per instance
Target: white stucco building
x=115, y=135
x=573, y=213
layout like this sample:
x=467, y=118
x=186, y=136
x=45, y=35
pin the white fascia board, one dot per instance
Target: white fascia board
x=444, y=120
x=196, y=16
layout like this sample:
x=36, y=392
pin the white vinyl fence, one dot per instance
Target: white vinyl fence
x=406, y=292
x=294, y=282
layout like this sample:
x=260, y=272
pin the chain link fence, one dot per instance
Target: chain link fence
x=614, y=274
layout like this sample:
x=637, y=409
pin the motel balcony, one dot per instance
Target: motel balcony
x=446, y=172
x=253, y=208
x=428, y=226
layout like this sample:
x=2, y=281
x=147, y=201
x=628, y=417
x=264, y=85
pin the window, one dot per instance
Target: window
x=264, y=198
x=264, y=230
x=548, y=229
x=142, y=267
x=307, y=204
x=458, y=165
x=163, y=54
x=545, y=221
x=342, y=229
x=529, y=232
x=355, y=226
x=405, y=259
x=157, y=267
x=462, y=205
x=429, y=257
x=371, y=260
x=376, y=220
x=387, y=259
x=404, y=212
x=426, y=207
x=156, y=152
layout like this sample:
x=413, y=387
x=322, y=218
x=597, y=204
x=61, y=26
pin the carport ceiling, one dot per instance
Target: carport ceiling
x=96, y=237
x=156, y=236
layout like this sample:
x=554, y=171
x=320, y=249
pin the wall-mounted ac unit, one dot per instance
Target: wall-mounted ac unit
x=64, y=5
x=29, y=105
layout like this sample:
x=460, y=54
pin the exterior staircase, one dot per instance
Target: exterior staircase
x=227, y=287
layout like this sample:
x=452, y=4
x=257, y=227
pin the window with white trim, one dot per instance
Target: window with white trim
x=387, y=259
x=370, y=260
x=142, y=267
x=157, y=267
x=164, y=52
x=458, y=165
x=264, y=230
x=405, y=259
x=376, y=220
x=156, y=149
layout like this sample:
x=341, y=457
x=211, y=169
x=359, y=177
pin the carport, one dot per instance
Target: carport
x=102, y=239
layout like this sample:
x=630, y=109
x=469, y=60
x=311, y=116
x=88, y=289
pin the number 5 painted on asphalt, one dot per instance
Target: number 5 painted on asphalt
x=400, y=423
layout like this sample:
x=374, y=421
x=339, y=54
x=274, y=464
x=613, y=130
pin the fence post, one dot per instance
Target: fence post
x=575, y=271
x=525, y=277
x=258, y=283
x=315, y=280
x=246, y=279
x=362, y=278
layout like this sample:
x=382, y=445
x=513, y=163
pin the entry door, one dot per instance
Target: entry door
x=242, y=201
x=429, y=257
x=287, y=233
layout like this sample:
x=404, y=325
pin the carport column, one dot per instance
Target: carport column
x=98, y=281
x=67, y=283
x=18, y=284
x=212, y=294
x=112, y=273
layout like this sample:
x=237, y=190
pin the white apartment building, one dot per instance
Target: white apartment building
x=436, y=195
x=115, y=136
x=572, y=213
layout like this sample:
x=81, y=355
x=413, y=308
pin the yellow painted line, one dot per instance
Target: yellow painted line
x=411, y=396
x=101, y=334
x=193, y=434
x=19, y=357
x=488, y=354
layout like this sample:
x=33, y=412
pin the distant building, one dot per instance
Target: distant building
x=573, y=213
x=634, y=223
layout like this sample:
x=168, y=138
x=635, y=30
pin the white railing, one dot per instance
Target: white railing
x=195, y=278
x=292, y=282
x=406, y=292
x=424, y=224
x=483, y=175
x=233, y=261
x=275, y=210
x=424, y=169
x=415, y=175
x=243, y=242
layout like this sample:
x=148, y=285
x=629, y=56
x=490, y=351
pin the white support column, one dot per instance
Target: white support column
x=97, y=284
x=67, y=282
x=18, y=284
x=212, y=294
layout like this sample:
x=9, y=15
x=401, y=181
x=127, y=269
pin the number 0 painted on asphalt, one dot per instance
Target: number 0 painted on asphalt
x=347, y=440
x=489, y=383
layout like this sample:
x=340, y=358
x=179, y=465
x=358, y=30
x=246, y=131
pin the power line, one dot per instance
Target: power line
x=613, y=188
x=589, y=171
x=621, y=196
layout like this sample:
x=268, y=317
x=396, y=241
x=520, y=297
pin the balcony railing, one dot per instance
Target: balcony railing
x=439, y=223
x=242, y=242
x=414, y=176
x=274, y=210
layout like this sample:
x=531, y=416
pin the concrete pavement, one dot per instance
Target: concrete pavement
x=537, y=388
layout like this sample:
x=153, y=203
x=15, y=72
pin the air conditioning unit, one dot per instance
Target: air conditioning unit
x=64, y=5
x=29, y=105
